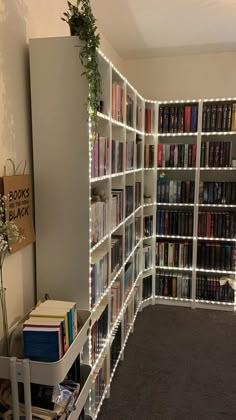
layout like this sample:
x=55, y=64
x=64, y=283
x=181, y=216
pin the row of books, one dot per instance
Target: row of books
x=118, y=102
x=117, y=204
x=147, y=256
x=115, y=347
x=116, y=253
x=149, y=156
x=178, y=119
x=174, y=222
x=129, y=111
x=169, y=191
x=148, y=225
x=217, y=154
x=50, y=330
x=100, y=156
x=138, y=194
x=128, y=318
x=129, y=200
x=128, y=278
x=147, y=287
x=139, y=117
x=129, y=156
x=176, y=155
x=137, y=229
x=129, y=239
x=219, y=117
x=99, y=217
x=116, y=299
x=138, y=152
x=99, y=274
x=98, y=387
x=117, y=149
x=99, y=334
x=209, y=288
x=137, y=263
x=219, y=256
x=149, y=119
x=173, y=285
x=217, y=192
x=217, y=224
x=174, y=254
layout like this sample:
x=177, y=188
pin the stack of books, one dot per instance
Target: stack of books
x=209, y=288
x=217, y=224
x=147, y=256
x=174, y=222
x=50, y=330
x=116, y=297
x=100, y=156
x=174, y=254
x=173, y=285
x=176, y=155
x=169, y=191
x=217, y=192
x=219, y=117
x=118, y=102
x=147, y=287
x=99, y=274
x=129, y=158
x=217, y=154
x=178, y=118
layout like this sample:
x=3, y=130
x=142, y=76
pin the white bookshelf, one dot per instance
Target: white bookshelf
x=63, y=186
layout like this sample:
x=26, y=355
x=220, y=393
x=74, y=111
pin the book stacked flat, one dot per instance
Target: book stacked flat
x=174, y=285
x=178, y=118
x=50, y=330
x=176, y=155
x=219, y=117
x=216, y=154
x=118, y=102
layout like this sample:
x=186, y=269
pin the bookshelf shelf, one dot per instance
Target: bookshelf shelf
x=175, y=169
x=219, y=133
x=73, y=257
x=163, y=267
x=210, y=302
x=203, y=238
x=175, y=237
x=177, y=134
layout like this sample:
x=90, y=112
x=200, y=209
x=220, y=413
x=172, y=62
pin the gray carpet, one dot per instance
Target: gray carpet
x=180, y=364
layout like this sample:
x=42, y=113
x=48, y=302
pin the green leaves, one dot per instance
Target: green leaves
x=82, y=24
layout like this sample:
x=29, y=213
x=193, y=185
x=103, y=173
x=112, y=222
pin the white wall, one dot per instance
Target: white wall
x=184, y=77
x=19, y=21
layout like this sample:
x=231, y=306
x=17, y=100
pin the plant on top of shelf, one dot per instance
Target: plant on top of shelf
x=82, y=24
x=9, y=234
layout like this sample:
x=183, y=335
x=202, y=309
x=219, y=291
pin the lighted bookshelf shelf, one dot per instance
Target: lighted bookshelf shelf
x=176, y=204
x=175, y=169
x=175, y=237
x=217, y=205
x=218, y=133
x=213, y=302
x=203, y=238
x=175, y=299
x=99, y=243
x=231, y=168
x=163, y=267
x=100, y=178
x=117, y=174
x=212, y=271
x=103, y=116
x=177, y=134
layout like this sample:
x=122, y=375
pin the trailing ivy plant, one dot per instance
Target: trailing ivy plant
x=82, y=23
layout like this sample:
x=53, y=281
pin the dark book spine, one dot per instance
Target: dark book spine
x=229, y=117
x=204, y=114
x=172, y=119
x=166, y=119
x=219, y=115
x=176, y=120
x=208, y=117
x=160, y=121
x=224, y=117
x=213, y=118
x=181, y=119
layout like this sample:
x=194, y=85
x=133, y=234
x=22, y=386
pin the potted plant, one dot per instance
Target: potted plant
x=82, y=24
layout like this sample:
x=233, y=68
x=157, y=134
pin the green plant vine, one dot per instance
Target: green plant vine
x=82, y=23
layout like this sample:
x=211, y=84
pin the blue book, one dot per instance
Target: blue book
x=193, y=118
x=42, y=344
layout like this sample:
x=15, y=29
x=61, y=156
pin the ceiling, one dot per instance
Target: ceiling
x=150, y=28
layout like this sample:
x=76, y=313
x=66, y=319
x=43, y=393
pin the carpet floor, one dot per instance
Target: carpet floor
x=180, y=364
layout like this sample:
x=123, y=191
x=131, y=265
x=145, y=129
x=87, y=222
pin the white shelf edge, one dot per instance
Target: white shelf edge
x=176, y=204
x=175, y=299
x=165, y=267
x=92, y=249
x=226, y=168
x=217, y=205
x=205, y=270
x=99, y=178
x=204, y=238
x=218, y=133
x=162, y=168
x=175, y=237
x=212, y=302
x=177, y=134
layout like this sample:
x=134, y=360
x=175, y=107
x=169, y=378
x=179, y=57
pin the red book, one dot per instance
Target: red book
x=187, y=115
x=160, y=155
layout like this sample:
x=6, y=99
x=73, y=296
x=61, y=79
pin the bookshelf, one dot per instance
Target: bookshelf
x=99, y=206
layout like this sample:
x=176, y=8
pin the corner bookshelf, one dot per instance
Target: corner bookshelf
x=97, y=207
